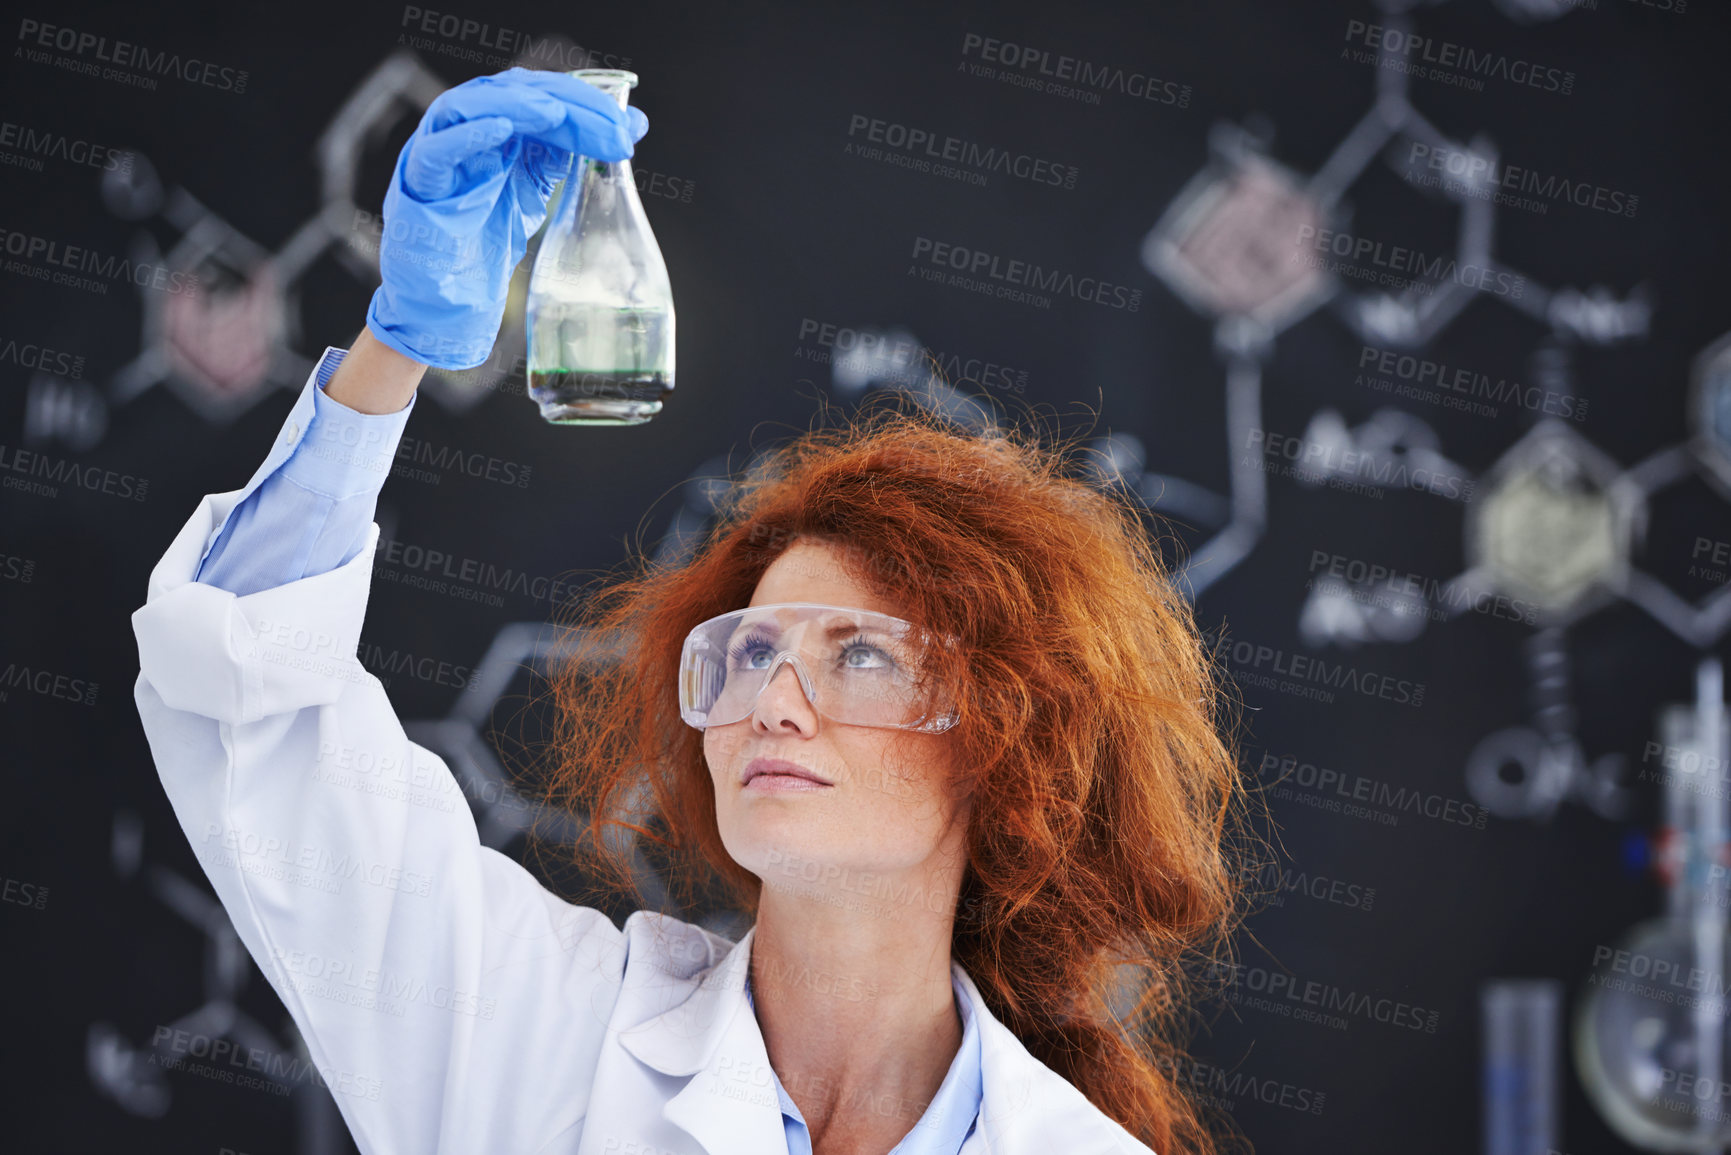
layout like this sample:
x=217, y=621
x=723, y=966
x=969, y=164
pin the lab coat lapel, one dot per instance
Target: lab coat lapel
x=1026, y=1108
x=730, y=1106
x=1006, y=1081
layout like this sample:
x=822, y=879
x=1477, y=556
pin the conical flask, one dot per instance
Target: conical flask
x=599, y=316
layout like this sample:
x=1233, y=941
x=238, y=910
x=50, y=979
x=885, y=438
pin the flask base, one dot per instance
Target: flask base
x=576, y=397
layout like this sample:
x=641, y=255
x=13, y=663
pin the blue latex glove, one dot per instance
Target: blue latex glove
x=469, y=189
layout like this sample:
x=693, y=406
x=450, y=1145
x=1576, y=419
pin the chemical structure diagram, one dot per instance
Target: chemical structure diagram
x=1257, y=247
x=208, y=1038
x=235, y=337
x=1555, y=521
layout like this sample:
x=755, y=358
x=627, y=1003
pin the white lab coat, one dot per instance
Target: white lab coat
x=451, y=1002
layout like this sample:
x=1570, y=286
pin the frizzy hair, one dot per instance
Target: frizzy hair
x=1093, y=734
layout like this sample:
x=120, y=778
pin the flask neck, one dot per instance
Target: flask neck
x=615, y=82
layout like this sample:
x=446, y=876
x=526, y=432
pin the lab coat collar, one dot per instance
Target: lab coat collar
x=730, y=1105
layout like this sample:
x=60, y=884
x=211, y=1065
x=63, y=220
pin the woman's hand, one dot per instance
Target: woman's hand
x=468, y=190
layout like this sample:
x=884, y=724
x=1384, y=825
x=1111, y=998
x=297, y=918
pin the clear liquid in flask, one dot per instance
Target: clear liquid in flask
x=599, y=313
x=610, y=366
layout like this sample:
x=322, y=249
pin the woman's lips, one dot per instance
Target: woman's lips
x=779, y=774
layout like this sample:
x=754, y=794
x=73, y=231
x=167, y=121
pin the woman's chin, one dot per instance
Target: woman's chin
x=787, y=852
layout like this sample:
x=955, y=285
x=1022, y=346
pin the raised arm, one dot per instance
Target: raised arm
x=312, y=512
x=427, y=973
x=375, y=379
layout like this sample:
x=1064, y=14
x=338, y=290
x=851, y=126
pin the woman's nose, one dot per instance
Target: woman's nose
x=783, y=696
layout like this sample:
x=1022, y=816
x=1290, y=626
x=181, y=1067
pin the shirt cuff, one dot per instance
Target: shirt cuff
x=344, y=452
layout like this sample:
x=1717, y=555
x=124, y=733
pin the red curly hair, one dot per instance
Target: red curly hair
x=1092, y=733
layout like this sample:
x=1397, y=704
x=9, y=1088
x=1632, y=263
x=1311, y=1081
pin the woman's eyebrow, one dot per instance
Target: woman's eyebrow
x=847, y=627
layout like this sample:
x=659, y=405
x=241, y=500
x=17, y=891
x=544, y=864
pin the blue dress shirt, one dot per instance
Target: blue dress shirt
x=312, y=514
x=948, y=1119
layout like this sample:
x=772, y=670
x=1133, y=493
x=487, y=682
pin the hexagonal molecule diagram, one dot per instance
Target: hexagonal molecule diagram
x=234, y=336
x=1555, y=523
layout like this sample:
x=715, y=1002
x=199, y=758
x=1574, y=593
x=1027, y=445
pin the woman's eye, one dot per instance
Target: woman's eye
x=745, y=655
x=874, y=658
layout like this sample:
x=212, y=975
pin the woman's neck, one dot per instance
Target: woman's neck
x=857, y=1011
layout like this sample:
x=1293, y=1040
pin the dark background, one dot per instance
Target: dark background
x=749, y=109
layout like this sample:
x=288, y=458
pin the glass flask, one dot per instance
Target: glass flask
x=1650, y=1040
x=599, y=315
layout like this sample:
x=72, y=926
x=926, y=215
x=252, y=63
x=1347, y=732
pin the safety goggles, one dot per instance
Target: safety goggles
x=855, y=666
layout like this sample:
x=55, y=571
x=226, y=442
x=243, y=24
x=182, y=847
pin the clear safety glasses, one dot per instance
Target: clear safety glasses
x=855, y=666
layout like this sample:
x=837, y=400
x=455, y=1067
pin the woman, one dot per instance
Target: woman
x=924, y=707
